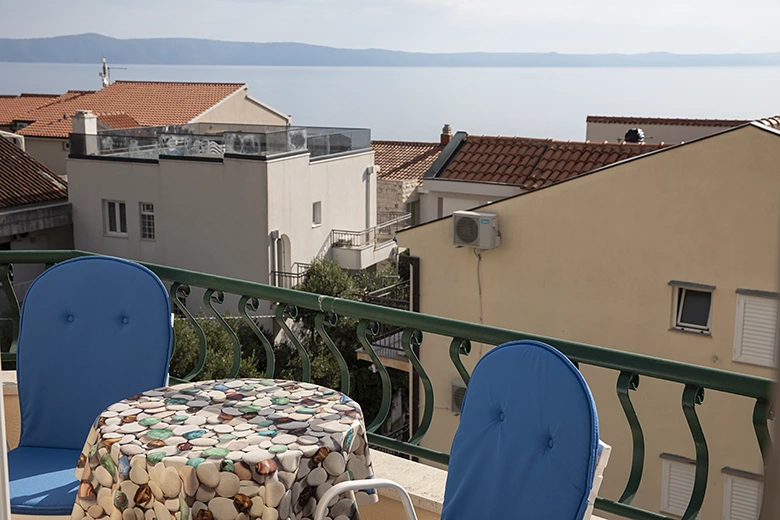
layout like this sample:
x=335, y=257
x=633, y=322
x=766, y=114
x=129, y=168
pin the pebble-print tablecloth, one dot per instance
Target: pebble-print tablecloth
x=224, y=450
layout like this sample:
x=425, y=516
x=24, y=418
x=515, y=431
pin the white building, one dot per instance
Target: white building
x=253, y=203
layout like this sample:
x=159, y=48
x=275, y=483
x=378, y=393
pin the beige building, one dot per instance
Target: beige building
x=673, y=254
x=254, y=206
x=613, y=129
x=45, y=120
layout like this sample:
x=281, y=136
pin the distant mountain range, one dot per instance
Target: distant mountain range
x=88, y=48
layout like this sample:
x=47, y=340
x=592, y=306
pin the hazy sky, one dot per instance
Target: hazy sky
x=575, y=26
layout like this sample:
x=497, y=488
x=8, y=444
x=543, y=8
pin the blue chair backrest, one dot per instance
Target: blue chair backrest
x=528, y=438
x=94, y=330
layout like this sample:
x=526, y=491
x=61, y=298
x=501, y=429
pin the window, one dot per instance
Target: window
x=147, y=221
x=316, y=213
x=741, y=497
x=692, y=307
x=755, y=329
x=114, y=218
x=677, y=478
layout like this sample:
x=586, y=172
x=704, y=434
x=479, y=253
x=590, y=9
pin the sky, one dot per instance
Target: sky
x=567, y=26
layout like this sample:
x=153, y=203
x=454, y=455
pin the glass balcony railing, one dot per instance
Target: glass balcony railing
x=627, y=367
x=204, y=140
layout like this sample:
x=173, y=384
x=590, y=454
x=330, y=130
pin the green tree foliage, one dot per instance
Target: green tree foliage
x=219, y=351
x=326, y=277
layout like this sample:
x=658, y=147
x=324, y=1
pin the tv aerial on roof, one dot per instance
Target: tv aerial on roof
x=105, y=74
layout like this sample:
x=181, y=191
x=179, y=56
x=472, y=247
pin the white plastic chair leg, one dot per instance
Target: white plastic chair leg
x=358, y=485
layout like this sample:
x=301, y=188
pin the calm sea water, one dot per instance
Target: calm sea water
x=414, y=103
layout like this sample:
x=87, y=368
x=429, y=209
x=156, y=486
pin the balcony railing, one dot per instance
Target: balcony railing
x=366, y=237
x=628, y=367
x=203, y=140
x=289, y=279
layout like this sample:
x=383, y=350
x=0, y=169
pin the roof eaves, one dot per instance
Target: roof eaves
x=269, y=108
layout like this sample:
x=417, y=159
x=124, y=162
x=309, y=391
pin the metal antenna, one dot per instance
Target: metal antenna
x=105, y=73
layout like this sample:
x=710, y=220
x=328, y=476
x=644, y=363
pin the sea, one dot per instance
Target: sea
x=408, y=103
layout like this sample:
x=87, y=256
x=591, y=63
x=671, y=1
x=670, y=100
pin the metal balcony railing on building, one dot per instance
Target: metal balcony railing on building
x=625, y=368
x=371, y=236
x=219, y=140
x=290, y=279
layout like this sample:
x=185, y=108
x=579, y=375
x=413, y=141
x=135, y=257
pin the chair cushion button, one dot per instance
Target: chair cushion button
x=551, y=443
x=70, y=318
x=125, y=321
x=501, y=416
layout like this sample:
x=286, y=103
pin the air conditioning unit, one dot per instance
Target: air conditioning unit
x=477, y=230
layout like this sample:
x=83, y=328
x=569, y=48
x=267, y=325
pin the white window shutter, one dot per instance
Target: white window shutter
x=755, y=333
x=677, y=486
x=742, y=498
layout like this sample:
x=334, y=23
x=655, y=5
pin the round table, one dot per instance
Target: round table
x=224, y=450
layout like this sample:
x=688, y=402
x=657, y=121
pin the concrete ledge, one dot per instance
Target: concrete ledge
x=424, y=484
x=9, y=383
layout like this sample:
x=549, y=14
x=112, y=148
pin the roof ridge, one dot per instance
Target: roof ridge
x=550, y=140
x=177, y=82
x=415, y=143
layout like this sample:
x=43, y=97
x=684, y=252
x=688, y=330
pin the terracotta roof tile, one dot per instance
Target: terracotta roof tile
x=774, y=121
x=403, y=160
x=147, y=103
x=117, y=120
x=532, y=163
x=23, y=180
x=14, y=107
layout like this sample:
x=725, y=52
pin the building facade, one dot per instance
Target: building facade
x=249, y=206
x=673, y=254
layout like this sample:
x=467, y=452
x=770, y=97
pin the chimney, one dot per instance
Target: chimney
x=446, y=135
x=84, y=133
x=634, y=135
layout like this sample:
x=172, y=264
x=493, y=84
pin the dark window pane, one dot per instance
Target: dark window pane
x=696, y=308
x=122, y=218
x=112, y=217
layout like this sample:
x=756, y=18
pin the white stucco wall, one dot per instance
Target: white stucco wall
x=458, y=195
x=615, y=132
x=49, y=151
x=241, y=108
x=342, y=184
x=209, y=216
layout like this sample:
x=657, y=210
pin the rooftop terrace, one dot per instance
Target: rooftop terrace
x=212, y=140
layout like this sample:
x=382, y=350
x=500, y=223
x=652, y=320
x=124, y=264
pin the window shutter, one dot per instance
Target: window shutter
x=458, y=393
x=756, y=331
x=742, y=498
x=677, y=484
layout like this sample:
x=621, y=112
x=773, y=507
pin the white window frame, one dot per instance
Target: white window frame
x=106, y=221
x=738, y=356
x=316, y=214
x=666, y=467
x=143, y=211
x=728, y=483
x=679, y=290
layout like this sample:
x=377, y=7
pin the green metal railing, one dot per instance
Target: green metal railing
x=630, y=367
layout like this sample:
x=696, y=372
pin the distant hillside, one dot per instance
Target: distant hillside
x=87, y=48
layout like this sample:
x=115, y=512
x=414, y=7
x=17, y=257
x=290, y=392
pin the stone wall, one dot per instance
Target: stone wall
x=393, y=195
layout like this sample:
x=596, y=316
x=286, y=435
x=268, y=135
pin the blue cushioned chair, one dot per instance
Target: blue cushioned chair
x=527, y=445
x=94, y=330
